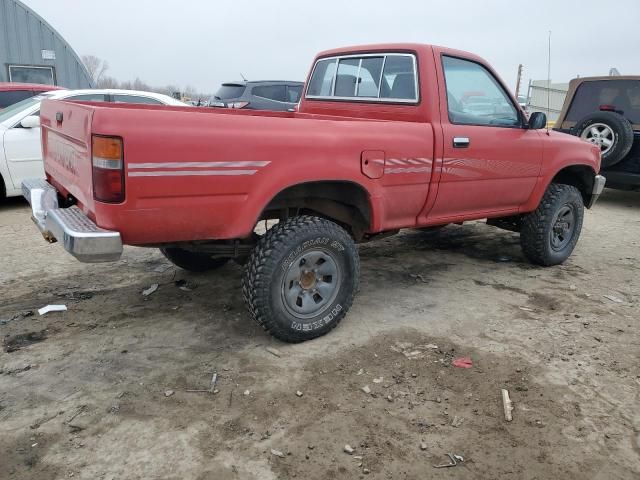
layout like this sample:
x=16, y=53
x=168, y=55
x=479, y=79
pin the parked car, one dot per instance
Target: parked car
x=13, y=92
x=20, y=150
x=364, y=156
x=606, y=112
x=262, y=95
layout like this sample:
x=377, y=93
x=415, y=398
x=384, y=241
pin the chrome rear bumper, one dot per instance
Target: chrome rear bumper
x=70, y=226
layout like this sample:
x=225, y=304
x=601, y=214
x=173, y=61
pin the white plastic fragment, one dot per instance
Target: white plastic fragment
x=507, y=405
x=150, y=290
x=52, y=308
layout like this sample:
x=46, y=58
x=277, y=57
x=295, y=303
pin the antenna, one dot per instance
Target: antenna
x=549, y=83
x=243, y=77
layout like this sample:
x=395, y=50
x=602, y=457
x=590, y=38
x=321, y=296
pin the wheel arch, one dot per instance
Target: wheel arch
x=580, y=176
x=346, y=202
x=3, y=188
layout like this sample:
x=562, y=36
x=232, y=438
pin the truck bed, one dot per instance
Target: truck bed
x=193, y=174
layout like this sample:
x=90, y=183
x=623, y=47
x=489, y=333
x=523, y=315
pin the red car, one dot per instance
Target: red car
x=11, y=93
x=381, y=141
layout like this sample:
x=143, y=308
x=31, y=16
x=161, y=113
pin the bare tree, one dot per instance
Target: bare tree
x=96, y=68
x=107, y=82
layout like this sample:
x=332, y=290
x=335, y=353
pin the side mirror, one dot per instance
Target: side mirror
x=537, y=120
x=32, y=121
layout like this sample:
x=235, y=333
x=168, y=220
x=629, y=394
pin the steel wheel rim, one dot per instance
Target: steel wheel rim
x=311, y=283
x=599, y=134
x=562, y=227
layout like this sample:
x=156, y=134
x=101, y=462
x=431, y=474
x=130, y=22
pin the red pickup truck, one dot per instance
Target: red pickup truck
x=385, y=137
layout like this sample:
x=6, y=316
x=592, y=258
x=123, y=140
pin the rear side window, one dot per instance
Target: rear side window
x=474, y=95
x=386, y=77
x=135, y=99
x=229, y=91
x=14, y=96
x=620, y=95
x=271, y=92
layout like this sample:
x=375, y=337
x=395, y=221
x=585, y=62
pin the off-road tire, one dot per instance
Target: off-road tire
x=537, y=227
x=622, y=130
x=272, y=259
x=192, y=261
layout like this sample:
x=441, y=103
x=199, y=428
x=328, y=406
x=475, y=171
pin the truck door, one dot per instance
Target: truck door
x=491, y=161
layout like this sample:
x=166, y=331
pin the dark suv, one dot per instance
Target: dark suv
x=258, y=95
x=606, y=111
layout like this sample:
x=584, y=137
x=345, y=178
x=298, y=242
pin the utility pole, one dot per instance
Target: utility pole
x=518, y=80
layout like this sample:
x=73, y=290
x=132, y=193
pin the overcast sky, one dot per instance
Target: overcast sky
x=203, y=43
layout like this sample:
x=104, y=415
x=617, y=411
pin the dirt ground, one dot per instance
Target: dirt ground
x=101, y=391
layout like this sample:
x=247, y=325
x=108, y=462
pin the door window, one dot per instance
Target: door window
x=293, y=93
x=475, y=97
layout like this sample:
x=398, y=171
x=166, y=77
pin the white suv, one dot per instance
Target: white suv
x=20, y=148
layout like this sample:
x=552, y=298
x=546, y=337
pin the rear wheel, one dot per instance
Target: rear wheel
x=192, y=261
x=550, y=233
x=301, y=278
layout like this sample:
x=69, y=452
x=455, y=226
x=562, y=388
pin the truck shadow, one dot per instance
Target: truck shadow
x=619, y=198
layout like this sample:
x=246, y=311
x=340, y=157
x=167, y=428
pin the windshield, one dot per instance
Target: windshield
x=16, y=108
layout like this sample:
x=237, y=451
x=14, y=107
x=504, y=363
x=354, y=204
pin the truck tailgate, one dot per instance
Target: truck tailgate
x=66, y=149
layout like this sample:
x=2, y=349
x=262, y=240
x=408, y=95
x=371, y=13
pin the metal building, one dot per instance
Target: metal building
x=31, y=51
x=546, y=97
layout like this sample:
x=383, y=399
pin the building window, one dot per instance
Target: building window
x=31, y=74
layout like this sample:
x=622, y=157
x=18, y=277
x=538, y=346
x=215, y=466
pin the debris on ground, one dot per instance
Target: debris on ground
x=360, y=372
x=150, y=290
x=423, y=446
x=168, y=393
x=526, y=309
x=277, y=453
x=13, y=343
x=457, y=421
x=613, y=298
x=453, y=461
x=418, y=276
x=349, y=449
x=162, y=268
x=299, y=393
x=507, y=405
x=184, y=286
x=247, y=392
x=366, y=389
x=17, y=316
x=273, y=351
x=52, y=308
x=462, y=362
x=378, y=380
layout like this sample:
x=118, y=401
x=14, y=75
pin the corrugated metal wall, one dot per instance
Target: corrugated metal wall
x=539, y=91
x=23, y=37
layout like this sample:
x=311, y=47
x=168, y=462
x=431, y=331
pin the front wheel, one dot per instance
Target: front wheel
x=301, y=278
x=550, y=233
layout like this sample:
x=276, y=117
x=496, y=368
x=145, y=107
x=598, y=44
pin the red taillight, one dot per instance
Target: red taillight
x=108, y=169
x=607, y=108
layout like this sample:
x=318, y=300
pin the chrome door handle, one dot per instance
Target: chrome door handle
x=461, y=142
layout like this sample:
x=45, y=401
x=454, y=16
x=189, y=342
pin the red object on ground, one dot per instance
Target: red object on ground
x=462, y=362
